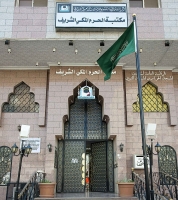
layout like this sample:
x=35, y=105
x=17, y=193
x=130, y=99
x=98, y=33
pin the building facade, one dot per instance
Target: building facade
x=44, y=65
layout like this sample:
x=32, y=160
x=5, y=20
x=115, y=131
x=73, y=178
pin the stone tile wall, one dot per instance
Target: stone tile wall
x=149, y=22
x=170, y=18
x=61, y=88
x=6, y=18
x=166, y=132
x=9, y=133
x=29, y=22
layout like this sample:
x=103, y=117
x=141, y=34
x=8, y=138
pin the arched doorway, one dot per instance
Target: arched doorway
x=85, y=156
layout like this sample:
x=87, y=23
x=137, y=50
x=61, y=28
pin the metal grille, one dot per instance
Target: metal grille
x=98, y=167
x=94, y=121
x=22, y=100
x=56, y=157
x=110, y=164
x=5, y=164
x=59, y=167
x=152, y=100
x=77, y=119
x=73, y=176
x=85, y=121
x=167, y=161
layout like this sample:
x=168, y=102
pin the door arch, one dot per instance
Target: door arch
x=85, y=126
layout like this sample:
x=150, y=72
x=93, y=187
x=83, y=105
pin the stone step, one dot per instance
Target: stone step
x=88, y=198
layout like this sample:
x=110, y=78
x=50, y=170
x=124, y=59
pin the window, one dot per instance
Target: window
x=136, y=3
x=31, y=3
x=152, y=100
x=21, y=101
x=145, y=3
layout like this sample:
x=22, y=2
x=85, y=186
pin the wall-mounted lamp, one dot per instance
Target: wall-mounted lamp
x=96, y=63
x=54, y=49
x=121, y=146
x=70, y=43
x=154, y=63
x=19, y=127
x=58, y=62
x=99, y=51
x=49, y=147
x=36, y=63
x=9, y=50
x=167, y=43
x=76, y=51
x=102, y=44
x=7, y=42
x=141, y=50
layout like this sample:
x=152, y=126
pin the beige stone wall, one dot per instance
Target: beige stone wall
x=117, y=105
x=9, y=133
x=61, y=88
x=166, y=122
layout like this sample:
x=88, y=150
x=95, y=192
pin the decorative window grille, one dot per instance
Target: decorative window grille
x=22, y=100
x=152, y=100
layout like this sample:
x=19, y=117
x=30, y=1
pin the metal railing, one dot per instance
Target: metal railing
x=140, y=192
x=30, y=190
x=165, y=185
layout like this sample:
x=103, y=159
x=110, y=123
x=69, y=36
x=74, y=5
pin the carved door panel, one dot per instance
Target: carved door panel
x=74, y=166
x=98, y=167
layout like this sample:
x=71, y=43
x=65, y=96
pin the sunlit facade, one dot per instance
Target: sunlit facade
x=49, y=53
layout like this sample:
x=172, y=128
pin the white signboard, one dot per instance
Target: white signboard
x=34, y=143
x=91, y=15
x=138, y=162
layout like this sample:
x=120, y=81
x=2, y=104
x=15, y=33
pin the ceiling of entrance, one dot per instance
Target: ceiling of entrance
x=26, y=53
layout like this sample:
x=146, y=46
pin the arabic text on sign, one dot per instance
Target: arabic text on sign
x=150, y=76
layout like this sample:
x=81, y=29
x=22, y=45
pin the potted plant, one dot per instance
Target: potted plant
x=46, y=188
x=126, y=187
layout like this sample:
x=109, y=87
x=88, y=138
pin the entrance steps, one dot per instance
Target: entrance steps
x=87, y=196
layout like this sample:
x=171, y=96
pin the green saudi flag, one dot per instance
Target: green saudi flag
x=122, y=47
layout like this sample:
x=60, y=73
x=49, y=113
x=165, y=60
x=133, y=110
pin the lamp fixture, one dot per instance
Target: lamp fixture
x=154, y=63
x=58, y=62
x=54, y=49
x=102, y=44
x=99, y=51
x=167, y=43
x=141, y=50
x=7, y=42
x=14, y=148
x=49, y=147
x=24, y=151
x=36, y=63
x=70, y=43
x=121, y=146
x=19, y=127
x=76, y=51
x=157, y=147
x=9, y=50
x=96, y=63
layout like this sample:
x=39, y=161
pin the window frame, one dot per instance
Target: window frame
x=143, y=3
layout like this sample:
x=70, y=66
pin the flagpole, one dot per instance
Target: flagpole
x=141, y=112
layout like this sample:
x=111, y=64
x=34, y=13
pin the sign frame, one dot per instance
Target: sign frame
x=91, y=16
